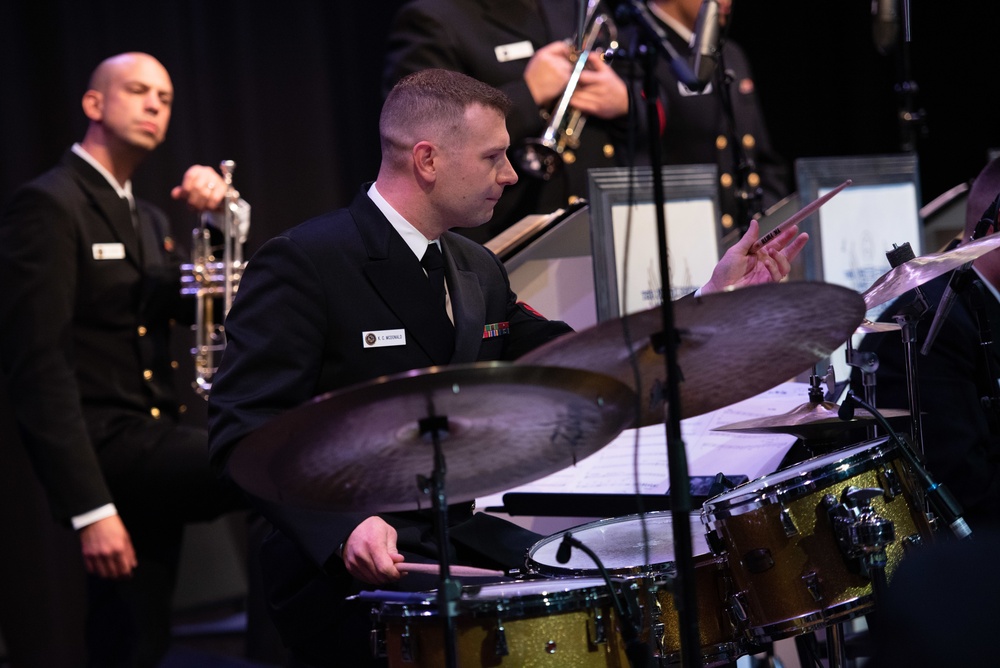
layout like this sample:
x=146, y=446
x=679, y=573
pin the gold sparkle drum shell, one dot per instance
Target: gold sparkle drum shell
x=530, y=623
x=790, y=570
x=639, y=551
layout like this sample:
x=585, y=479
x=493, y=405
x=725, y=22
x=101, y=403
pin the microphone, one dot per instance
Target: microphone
x=565, y=548
x=706, y=45
x=885, y=27
x=959, y=278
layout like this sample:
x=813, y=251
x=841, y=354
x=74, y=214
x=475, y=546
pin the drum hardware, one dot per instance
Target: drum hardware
x=791, y=583
x=939, y=496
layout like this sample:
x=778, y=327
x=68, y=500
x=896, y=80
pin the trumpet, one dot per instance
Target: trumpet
x=544, y=157
x=208, y=278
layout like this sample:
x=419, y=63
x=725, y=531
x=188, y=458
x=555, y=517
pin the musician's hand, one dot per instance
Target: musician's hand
x=739, y=269
x=600, y=92
x=548, y=72
x=370, y=552
x=202, y=188
x=107, y=548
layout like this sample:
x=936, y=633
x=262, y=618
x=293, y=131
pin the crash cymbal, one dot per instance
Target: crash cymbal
x=361, y=448
x=870, y=327
x=810, y=421
x=733, y=345
x=914, y=273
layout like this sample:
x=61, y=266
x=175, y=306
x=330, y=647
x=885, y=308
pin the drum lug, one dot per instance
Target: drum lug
x=500, y=647
x=406, y=645
x=377, y=639
x=893, y=486
x=596, y=632
x=912, y=542
x=788, y=524
x=738, y=617
x=811, y=581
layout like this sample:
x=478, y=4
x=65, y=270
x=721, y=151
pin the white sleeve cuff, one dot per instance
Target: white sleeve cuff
x=95, y=515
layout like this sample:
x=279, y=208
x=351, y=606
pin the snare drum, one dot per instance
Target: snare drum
x=557, y=622
x=621, y=545
x=791, y=572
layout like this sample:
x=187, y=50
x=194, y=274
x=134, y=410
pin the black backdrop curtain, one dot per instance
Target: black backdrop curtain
x=290, y=89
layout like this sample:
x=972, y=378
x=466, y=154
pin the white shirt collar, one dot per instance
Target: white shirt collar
x=675, y=25
x=411, y=235
x=124, y=190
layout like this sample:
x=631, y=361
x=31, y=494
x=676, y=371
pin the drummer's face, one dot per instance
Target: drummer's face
x=472, y=169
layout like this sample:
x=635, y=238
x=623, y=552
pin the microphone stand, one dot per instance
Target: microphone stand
x=449, y=590
x=638, y=653
x=685, y=598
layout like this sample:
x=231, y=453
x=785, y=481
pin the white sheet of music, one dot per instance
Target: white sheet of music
x=640, y=455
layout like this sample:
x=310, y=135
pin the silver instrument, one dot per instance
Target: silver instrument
x=544, y=157
x=213, y=280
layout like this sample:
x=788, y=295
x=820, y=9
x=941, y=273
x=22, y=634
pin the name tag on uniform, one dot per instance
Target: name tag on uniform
x=383, y=338
x=108, y=251
x=514, y=51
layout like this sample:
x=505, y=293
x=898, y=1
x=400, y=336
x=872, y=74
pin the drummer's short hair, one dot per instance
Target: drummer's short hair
x=430, y=102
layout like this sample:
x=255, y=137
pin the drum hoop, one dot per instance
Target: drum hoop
x=665, y=569
x=756, y=494
x=555, y=601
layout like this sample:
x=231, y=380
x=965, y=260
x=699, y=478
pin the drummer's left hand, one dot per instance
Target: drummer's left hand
x=370, y=552
x=738, y=269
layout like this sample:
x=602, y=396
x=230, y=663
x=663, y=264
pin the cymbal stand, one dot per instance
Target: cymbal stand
x=867, y=362
x=449, y=590
x=907, y=319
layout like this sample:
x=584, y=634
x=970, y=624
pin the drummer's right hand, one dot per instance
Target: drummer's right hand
x=107, y=548
x=370, y=552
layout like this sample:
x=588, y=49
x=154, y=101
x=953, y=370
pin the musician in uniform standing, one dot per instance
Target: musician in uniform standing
x=297, y=330
x=91, y=283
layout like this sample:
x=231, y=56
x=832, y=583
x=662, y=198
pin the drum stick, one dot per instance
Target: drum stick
x=458, y=571
x=797, y=217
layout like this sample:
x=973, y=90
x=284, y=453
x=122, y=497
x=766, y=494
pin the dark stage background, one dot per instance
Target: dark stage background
x=290, y=89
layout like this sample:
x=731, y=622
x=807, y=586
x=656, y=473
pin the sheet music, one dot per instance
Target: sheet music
x=640, y=455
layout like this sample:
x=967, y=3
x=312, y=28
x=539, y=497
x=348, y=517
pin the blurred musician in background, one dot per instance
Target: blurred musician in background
x=90, y=287
x=524, y=48
x=723, y=123
x=308, y=295
x=957, y=379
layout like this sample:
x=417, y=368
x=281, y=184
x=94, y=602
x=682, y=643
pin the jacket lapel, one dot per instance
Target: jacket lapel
x=397, y=277
x=111, y=208
x=468, y=306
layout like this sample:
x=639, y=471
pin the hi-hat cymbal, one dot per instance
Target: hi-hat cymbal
x=872, y=327
x=733, y=345
x=810, y=421
x=361, y=448
x=914, y=273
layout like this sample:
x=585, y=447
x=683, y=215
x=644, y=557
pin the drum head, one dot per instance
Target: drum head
x=630, y=545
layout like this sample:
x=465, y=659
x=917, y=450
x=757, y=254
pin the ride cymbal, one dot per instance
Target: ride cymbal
x=499, y=425
x=732, y=345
